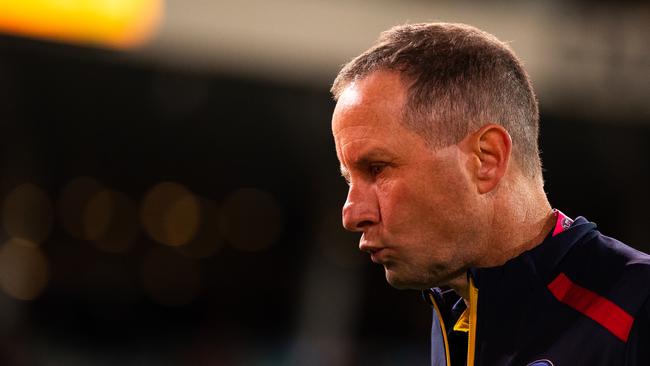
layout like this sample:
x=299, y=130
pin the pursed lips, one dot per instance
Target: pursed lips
x=373, y=249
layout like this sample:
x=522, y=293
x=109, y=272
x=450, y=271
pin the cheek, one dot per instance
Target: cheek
x=393, y=200
x=433, y=205
x=447, y=187
x=427, y=201
x=405, y=209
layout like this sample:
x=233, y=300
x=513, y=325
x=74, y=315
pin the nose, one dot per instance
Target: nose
x=360, y=210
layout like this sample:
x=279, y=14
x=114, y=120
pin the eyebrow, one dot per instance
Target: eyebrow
x=366, y=158
x=345, y=173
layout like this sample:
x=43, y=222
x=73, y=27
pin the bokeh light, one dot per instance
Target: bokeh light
x=73, y=202
x=114, y=23
x=169, y=278
x=23, y=269
x=111, y=221
x=251, y=219
x=27, y=213
x=208, y=238
x=170, y=214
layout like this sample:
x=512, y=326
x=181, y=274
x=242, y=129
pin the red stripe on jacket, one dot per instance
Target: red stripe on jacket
x=596, y=307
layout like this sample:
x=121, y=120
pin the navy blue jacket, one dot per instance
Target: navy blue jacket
x=579, y=298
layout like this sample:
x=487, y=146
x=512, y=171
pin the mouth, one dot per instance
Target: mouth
x=377, y=255
x=378, y=252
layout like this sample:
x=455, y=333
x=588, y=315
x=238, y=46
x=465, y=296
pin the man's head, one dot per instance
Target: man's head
x=423, y=127
x=458, y=79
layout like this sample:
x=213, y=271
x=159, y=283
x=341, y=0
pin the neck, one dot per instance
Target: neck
x=519, y=222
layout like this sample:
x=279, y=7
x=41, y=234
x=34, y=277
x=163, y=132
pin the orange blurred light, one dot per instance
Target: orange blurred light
x=207, y=240
x=23, y=269
x=111, y=221
x=27, y=213
x=73, y=204
x=171, y=214
x=113, y=23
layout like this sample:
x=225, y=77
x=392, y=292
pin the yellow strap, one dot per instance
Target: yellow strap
x=444, y=330
x=473, y=303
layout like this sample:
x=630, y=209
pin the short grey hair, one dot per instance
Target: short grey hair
x=459, y=79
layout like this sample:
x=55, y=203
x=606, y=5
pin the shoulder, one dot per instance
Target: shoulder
x=611, y=269
x=608, y=259
x=608, y=281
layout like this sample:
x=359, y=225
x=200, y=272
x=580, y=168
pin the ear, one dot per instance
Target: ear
x=492, y=146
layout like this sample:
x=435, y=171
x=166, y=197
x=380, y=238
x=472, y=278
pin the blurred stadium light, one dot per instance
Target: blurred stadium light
x=27, y=213
x=573, y=52
x=112, y=23
x=23, y=269
x=171, y=214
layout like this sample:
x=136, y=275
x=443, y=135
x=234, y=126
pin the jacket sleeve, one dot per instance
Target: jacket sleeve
x=638, y=345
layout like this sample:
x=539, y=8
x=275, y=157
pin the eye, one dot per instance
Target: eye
x=376, y=168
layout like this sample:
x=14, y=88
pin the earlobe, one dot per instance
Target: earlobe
x=493, y=147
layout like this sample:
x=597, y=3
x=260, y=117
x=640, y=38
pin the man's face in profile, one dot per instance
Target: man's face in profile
x=412, y=204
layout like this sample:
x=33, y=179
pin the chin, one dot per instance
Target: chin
x=403, y=282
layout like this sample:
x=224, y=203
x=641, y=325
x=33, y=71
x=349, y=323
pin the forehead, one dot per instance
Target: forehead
x=375, y=101
x=367, y=124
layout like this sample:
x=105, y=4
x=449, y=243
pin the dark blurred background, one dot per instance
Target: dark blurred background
x=177, y=201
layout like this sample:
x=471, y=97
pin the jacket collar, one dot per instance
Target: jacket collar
x=543, y=259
